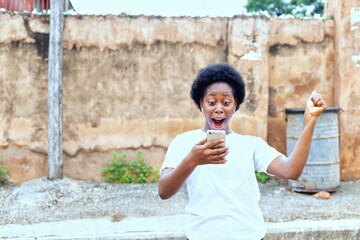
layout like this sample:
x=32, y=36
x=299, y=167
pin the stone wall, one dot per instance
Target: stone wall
x=126, y=82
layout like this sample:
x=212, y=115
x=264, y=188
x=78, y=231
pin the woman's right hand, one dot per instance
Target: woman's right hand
x=202, y=153
x=205, y=152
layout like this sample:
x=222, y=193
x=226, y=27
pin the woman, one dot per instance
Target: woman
x=221, y=182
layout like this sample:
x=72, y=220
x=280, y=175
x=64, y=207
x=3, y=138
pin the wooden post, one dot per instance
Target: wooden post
x=66, y=7
x=55, y=163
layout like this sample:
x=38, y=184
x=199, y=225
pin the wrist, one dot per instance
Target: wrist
x=310, y=120
x=190, y=163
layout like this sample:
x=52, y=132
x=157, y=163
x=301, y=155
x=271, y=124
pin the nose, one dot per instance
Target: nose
x=219, y=109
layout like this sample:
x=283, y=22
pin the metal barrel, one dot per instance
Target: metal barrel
x=322, y=169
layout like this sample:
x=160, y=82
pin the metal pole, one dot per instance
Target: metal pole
x=55, y=163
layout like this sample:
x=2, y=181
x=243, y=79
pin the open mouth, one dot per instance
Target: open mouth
x=218, y=123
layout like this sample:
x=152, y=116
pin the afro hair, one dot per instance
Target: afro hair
x=220, y=72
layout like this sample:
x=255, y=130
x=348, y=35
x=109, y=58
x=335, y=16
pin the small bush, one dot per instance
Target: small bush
x=122, y=170
x=4, y=171
x=262, y=177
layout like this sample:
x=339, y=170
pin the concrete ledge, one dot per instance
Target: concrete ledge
x=171, y=227
x=347, y=229
x=158, y=227
x=152, y=218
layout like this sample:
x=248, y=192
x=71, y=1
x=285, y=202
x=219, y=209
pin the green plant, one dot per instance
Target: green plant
x=297, y=8
x=122, y=170
x=4, y=171
x=262, y=177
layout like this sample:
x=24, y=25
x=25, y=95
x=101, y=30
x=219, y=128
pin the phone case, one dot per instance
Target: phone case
x=216, y=134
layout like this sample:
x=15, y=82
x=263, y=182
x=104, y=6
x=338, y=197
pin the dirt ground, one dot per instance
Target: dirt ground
x=42, y=200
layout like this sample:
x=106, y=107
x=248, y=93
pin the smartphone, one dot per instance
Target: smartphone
x=212, y=135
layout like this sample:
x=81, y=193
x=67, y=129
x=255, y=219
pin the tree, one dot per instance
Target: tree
x=297, y=8
x=55, y=163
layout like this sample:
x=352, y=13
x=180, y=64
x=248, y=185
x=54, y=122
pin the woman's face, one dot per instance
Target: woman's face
x=218, y=106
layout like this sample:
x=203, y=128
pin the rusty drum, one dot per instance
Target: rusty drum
x=322, y=170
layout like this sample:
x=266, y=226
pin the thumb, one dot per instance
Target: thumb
x=202, y=142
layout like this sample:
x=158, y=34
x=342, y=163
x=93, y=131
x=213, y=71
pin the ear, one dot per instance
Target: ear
x=201, y=103
x=235, y=105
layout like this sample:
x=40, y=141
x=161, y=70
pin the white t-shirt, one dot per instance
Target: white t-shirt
x=223, y=199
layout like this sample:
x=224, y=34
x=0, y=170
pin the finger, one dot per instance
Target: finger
x=218, y=154
x=214, y=143
x=310, y=101
x=219, y=161
x=319, y=101
x=202, y=142
x=322, y=104
x=221, y=152
x=315, y=96
x=313, y=93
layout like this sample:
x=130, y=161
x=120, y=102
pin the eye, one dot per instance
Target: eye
x=212, y=103
x=226, y=103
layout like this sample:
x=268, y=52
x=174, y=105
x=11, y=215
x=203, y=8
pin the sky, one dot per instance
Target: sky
x=201, y=8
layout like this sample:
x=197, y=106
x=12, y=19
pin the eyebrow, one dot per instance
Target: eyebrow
x=224, y=94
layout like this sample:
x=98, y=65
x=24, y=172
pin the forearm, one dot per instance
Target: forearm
x=298, y=157
x=292, y=167
x=172, y=180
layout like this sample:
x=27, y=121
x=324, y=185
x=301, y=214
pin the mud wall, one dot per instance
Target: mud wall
x=301, y=59
x=126, y=82
x=347, y=84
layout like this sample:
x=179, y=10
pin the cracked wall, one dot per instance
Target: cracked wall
x=347, y=84
x=301, y=59
x=125, y=87
x=126, y=83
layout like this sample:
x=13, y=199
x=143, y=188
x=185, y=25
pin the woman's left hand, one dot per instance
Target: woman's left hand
x=292, y=167
x=315, y=104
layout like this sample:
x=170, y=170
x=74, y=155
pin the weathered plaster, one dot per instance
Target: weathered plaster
x=294, y=31
x=125, y=32
x=126, y=85
x=295, y=71
x=248, y=39
x=347, y=45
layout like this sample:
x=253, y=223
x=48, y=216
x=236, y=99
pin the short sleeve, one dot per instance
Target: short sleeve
x=264, y=155
x=180, y=147
x=170, y=160
x=177, y=151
